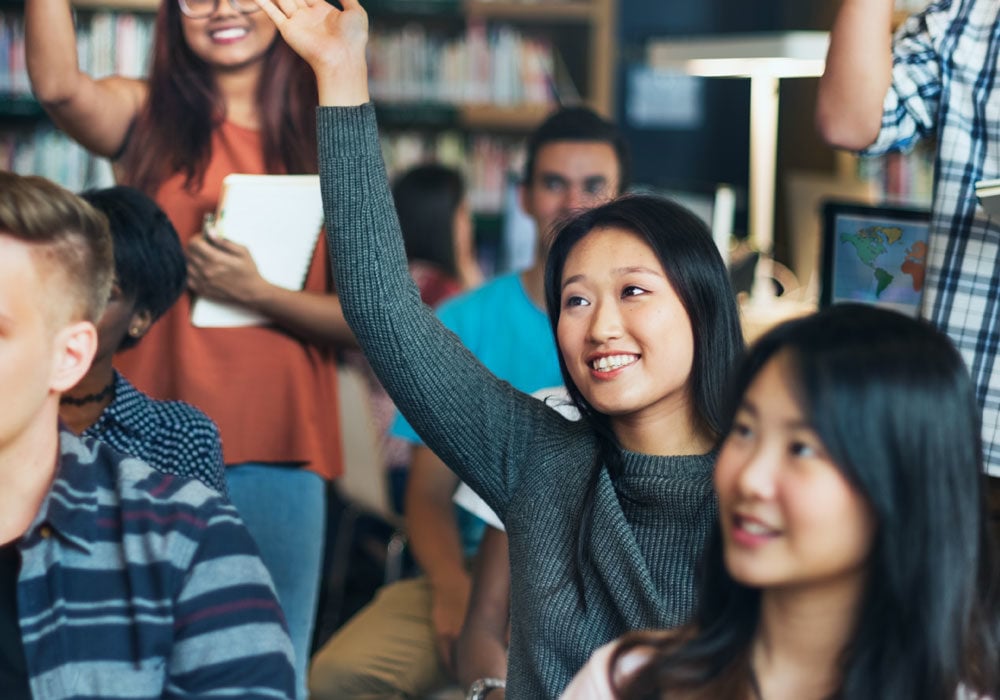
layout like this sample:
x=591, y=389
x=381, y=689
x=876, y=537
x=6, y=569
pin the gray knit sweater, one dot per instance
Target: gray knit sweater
x=529, y=463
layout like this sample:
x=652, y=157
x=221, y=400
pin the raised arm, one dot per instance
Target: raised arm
x=478, y=425
x=858, y=74
x=331, y=41
x=96, y=113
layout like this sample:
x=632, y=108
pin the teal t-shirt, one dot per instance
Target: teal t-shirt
x=512, y=338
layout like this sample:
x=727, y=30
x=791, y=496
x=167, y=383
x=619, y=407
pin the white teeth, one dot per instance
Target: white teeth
x=232, y=33
x=612, y=362
x=754, y=528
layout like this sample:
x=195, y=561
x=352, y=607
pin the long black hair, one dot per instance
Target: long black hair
x=892, y=402
x=692, y=263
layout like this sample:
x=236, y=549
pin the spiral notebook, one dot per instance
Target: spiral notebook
x=278, y=218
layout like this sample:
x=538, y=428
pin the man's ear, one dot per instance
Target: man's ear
x=75, y=347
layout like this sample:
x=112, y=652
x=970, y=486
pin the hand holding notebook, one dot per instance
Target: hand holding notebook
x=278, y=219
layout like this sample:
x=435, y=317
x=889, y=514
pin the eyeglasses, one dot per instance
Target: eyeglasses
x=202, y=9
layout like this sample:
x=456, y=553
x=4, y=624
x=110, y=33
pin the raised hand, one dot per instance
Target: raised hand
x=331, y=41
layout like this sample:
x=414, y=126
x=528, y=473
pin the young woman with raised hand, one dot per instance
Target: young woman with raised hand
x=606, y=517
x=225, y=94
x=852, y=557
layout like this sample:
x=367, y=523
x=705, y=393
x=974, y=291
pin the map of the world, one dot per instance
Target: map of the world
x=880, y=262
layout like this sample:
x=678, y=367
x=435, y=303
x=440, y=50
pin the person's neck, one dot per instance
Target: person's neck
x=27, y=467
x=238, y=88
x=83, y=405
x=533, y=281
x=800, y=639
x=671, y=429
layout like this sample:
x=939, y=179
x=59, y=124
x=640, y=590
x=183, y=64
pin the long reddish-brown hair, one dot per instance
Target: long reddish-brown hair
x=173, y=131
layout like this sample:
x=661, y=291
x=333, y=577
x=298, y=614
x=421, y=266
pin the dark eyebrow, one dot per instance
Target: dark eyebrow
x=553, y=177
x=638, y=269
x=570, y=280
x=619, y=271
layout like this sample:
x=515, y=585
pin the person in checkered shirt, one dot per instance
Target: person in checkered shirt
x=935, y=79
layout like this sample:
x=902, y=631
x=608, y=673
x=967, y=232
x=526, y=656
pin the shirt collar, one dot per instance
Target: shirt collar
x=70, y=507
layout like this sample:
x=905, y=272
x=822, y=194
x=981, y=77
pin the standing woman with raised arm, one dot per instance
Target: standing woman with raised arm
x=607, y=516
x=225, y=94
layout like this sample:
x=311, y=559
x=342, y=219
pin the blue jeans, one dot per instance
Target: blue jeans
x=284, y=508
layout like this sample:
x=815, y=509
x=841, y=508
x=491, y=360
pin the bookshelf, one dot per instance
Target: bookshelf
x=525, y=51
x=113, y=38
x=463, y=82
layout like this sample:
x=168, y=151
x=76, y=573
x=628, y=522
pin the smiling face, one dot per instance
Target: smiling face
x=623, y=332
x=789, y=517
x=229, y=40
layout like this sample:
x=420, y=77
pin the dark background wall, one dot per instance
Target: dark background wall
x=717, y=150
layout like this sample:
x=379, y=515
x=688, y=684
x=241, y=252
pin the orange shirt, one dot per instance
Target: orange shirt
x=273, y=396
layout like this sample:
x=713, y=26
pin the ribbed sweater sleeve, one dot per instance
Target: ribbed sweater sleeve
x=529, y=463
x=480, y=426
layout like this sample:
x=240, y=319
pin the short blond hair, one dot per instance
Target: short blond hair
x=69, y=233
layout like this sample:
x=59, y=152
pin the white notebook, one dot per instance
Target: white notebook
x=278, y=218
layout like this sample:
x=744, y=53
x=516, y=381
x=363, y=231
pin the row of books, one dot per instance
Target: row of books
x=107, y=43
x=46, y=151
x=491, y=64
x=484, y=160
x=486, y=64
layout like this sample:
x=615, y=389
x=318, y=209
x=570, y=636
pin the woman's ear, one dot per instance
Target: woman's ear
x=75, y=347
x=139, y=324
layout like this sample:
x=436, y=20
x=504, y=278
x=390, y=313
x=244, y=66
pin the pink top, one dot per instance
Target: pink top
x=592, y=682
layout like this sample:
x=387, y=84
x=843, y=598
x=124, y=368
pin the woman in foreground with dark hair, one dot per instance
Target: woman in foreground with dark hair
x=853, y=557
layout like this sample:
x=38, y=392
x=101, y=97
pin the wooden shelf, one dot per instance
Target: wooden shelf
x=495, y=118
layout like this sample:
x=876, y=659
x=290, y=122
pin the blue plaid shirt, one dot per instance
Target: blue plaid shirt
x=172, y=436
x=944, y=86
